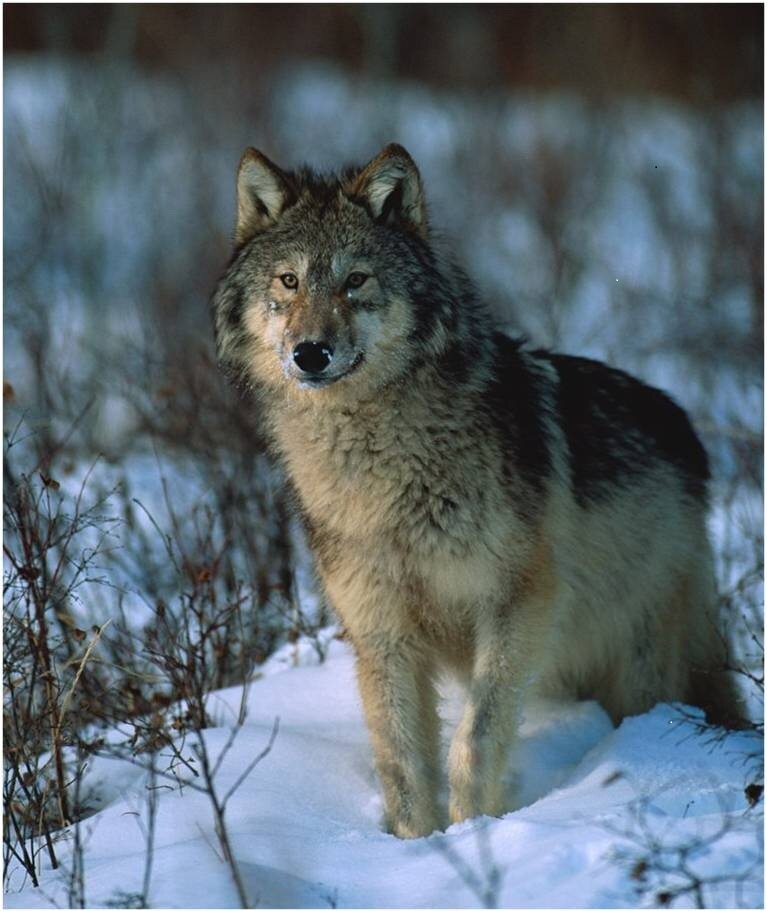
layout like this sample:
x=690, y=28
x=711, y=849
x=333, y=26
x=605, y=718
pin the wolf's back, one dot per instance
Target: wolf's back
x=617, y=427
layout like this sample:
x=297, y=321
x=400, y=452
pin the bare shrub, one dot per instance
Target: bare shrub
x=51, y=546
x=668, y=868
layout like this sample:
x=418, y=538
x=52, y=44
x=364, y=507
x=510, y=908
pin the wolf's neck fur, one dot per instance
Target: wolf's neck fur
x=447, y=372
x=401, y=407
x=400, y=436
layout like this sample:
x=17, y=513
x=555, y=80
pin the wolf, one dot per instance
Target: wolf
x=531, y=522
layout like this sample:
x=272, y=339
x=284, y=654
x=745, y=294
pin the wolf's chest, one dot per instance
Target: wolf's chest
x=381, y=483
x=408, y=510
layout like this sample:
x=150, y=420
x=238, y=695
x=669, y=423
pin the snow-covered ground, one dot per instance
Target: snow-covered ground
x=305, y=825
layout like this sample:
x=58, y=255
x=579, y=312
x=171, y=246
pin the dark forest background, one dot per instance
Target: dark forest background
x=699, y=53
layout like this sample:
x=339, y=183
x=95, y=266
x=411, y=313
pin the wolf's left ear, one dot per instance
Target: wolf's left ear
x=263, y=191
x=390, y=187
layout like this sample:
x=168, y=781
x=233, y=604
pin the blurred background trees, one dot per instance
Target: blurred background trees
x=696, y=53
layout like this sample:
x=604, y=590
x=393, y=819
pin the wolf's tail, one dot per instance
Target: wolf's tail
x=716, y=692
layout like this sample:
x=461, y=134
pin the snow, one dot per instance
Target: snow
x=306, y=830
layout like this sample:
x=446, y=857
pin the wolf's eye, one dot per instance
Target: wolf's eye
x=356, y=280
x=290, y=280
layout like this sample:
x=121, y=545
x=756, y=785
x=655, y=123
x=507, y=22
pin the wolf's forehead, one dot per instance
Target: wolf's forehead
x=327, y=265
x=335, y=219
x=330, y=240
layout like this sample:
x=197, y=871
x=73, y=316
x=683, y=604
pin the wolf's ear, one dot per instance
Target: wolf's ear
x=390, y=187
x=263, y=191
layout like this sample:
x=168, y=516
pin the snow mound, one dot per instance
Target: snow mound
x=305, y=825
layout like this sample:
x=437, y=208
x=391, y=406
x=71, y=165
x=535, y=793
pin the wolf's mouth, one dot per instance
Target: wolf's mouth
x=317, y=382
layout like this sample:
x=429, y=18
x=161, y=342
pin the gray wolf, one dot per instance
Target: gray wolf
x=531, y=522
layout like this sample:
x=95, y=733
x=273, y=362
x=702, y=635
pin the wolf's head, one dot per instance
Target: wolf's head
x=333, y=284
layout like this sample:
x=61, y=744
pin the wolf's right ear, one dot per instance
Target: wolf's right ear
x=263, y=191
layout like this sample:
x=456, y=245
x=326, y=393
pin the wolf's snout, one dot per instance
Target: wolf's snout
x=312, y=357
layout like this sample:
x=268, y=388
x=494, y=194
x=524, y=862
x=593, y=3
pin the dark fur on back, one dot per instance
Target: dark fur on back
x=617, y=426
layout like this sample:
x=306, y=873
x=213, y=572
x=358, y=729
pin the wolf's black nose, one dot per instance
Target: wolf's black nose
x=312, y=357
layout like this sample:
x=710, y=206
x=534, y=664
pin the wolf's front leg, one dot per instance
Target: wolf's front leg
x=480, y=747
x=508, y=651
x=399, y=698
